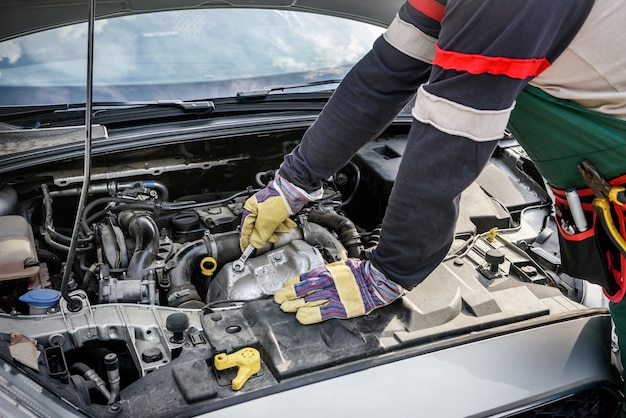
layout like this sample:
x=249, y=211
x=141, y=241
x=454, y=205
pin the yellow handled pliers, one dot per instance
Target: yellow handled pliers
x=604, y=195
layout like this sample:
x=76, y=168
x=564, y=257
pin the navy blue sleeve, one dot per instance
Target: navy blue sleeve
x=369, y=98
x=486, y=52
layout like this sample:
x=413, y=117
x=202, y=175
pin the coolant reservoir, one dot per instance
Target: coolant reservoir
x=18, y=256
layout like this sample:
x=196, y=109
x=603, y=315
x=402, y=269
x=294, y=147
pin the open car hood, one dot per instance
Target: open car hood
x=23, y=17
x=159, y=316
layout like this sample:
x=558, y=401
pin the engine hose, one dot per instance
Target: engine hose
x=342, y=226
x=54, y=238
x=130, y=204
x=51, y=259
x=263, y=178
x=90, y=374
x=112, y=365
x=374, y=237
x=222, y=247
x=47, y=204
x=105, y=200
x=80, y=368
x=149, y=184
x=65, y=248
x=357, y=181
x=144, y=230
x=157, y=185
x=90, y=283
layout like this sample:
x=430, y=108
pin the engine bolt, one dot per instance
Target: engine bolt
x=116, y=408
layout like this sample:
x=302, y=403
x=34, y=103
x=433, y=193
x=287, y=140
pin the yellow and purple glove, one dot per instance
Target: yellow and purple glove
x=267, y=212
x=343, y=289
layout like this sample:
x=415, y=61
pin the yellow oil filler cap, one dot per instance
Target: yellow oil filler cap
x=247, y=359
x=208, y=266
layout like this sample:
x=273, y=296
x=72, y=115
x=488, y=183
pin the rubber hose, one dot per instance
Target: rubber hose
x=343, y=227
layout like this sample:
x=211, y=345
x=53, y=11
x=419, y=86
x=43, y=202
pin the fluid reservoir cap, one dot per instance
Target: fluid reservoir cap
x=41, y=298
x=494, y=256
x=177, y=322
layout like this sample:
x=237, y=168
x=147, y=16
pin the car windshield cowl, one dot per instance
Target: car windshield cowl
x=198, y=105
x=71, y=114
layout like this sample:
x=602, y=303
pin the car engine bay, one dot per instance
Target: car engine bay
x=158, y=300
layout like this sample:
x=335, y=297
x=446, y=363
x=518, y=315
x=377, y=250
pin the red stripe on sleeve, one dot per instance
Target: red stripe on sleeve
x=429, y=8
x=481, y=64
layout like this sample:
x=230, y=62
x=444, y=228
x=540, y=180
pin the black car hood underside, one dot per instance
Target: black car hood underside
x=20, y=17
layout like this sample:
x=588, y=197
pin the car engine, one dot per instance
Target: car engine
x=155, y=293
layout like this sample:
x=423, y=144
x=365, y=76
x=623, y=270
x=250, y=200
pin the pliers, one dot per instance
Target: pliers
x=604, y=195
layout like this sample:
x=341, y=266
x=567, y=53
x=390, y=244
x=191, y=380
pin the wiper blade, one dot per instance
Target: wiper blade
x=32, y=109
x=188, y=106
x=191, y=105
x=200, y=106
x=254, y=95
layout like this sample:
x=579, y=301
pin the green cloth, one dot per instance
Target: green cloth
x=558, y=134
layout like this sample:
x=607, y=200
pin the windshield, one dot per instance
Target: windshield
x=181, y=55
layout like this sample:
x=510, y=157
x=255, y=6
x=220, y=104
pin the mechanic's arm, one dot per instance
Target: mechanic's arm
x=367, y=100
x=487, y=52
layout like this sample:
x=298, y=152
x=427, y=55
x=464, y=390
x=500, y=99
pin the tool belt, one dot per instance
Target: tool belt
x=591, y=254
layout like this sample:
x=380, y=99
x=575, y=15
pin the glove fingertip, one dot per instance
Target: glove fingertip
x=285, y=294
x=292, y=305
x=308, y=316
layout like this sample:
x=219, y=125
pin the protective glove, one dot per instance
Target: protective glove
x=267, y=212
x=343, y=289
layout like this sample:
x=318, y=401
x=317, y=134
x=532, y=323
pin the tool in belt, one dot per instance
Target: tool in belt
x=605, y=194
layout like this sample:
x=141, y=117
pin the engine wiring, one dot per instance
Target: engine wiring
x=471, y=242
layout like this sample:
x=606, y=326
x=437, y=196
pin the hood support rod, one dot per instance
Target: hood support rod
x=75, y=304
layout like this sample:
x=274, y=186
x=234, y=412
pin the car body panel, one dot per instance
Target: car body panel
x=488, y=377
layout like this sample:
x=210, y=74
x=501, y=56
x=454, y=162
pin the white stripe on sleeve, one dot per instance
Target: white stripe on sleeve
x=460, y=120
x=411, y=41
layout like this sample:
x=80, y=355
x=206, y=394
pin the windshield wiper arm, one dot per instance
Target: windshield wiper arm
x=199, y=106
x=252, y=95
x=188, y=106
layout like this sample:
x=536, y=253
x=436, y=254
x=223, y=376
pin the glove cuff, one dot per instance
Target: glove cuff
x=384, y=289
x=293, y=196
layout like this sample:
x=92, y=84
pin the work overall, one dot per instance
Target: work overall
x=558, y=135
